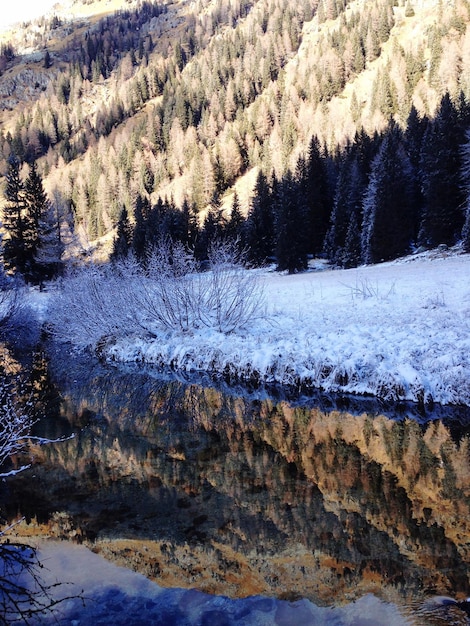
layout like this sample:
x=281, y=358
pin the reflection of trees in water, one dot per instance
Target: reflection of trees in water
x=25, y=394
x=361, y=496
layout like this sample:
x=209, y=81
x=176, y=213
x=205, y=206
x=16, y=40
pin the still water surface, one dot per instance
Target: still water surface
x=239, y=493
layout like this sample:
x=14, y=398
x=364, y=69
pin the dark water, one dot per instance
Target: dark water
x=242, y=493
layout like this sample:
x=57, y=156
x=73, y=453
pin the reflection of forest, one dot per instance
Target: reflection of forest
x=199, y=488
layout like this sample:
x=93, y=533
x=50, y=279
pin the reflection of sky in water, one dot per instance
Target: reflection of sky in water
x=22, y=10
x=118, y=596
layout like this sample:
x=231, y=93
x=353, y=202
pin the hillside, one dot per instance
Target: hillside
x=187, y=101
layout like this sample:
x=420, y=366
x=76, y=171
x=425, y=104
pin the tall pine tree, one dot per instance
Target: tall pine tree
x=443, y=196
x=388, y=202
x=235, y=224
x=39, y=217
x=259, y=227
x=123, y=240
x=213, y=228
x=139, y=235
x=465, y=177
x=290, y=231
x=351, y=184
x=50, y=247
x=413, y=136
x=16, y=254
x=352, y=251
x=315, y=188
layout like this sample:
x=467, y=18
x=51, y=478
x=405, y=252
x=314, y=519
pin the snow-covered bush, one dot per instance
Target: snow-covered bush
x=167, y=294
x=17, y=318
x=231, y=296
x=12, y=303
x=9, y=300
x=94, y=304
x=174, y=295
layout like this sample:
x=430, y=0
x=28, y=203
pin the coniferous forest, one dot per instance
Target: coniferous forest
x=293, y=129
x=153, y=154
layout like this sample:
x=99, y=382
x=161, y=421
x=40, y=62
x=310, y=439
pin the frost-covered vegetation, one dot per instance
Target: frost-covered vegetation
x=398, y=330
x=17, y=319
x=169, y=293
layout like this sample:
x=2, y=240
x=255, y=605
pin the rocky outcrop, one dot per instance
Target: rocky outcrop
x=22, y=85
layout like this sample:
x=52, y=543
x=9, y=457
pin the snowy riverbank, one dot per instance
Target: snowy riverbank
x=397, y=331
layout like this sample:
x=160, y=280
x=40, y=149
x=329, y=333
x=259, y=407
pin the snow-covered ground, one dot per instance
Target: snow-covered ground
x=397, y=331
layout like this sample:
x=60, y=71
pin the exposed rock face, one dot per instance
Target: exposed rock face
x=22, y=85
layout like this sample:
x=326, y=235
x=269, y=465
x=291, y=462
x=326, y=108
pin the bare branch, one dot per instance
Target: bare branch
x=23, y=595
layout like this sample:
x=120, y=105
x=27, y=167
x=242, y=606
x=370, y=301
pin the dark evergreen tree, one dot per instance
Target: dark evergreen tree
x=443, y=196
x=388, y=202
x=317, y=196
x=259, y=227
x=16, y=255
x=465, y=179
x=37, y=207
x=174, y=223
x=213, y=228
x=413, y=137
x=50, y=247
x=180, y=56
x=234, y=228
x=123, y=240
x=352, y=251
x=290, y=233
x=336, y=234
x=351, y=183
x=139, y=234
x=463, y=111
x=148, y=180
x=47, y=60
x=189, y=217
x=154, y=224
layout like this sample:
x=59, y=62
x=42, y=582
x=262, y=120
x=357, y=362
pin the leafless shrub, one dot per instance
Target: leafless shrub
x=170, y=293
x=363, y=289
x=12, y=303
x=89, y=303
x=234, y=296
x=225, y=297
x=168, y=298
